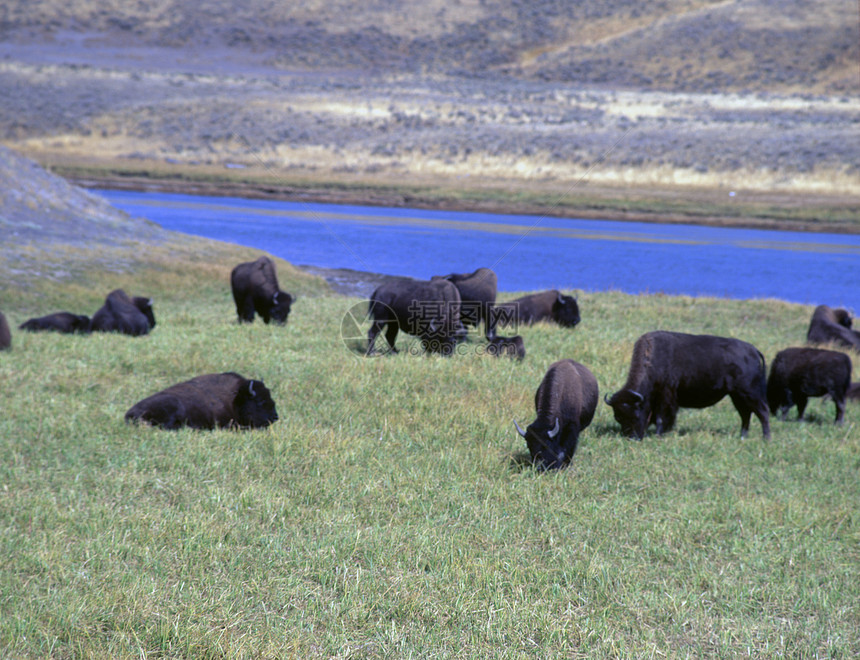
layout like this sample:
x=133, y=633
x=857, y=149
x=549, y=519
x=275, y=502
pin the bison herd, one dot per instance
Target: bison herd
x=668, y=370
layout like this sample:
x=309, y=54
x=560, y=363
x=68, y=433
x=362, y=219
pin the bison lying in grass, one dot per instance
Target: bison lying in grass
x=832, y=326
x=224, y=400
x=62, y=322
x=129, y=316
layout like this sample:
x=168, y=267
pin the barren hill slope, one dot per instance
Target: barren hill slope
x=666, y=106
x=775, y=45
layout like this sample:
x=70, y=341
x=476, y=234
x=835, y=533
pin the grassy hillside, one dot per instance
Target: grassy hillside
x=391, y=511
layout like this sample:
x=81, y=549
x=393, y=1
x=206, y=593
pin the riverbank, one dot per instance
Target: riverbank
x=752, y=209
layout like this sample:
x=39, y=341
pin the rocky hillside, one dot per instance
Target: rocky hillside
x=38, y=208
x=701, y=45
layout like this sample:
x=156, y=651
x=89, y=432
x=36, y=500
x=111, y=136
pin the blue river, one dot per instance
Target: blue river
x=527, y=252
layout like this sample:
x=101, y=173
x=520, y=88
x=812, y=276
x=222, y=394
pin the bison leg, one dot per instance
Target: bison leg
x=245, y=310
x=375, y=329
x=391, y=335
x=802, y=400
x=746, y=408
x=664, y=419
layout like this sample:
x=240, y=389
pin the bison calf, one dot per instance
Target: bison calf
x=255, y=289
x=207, y=402
x=671, y=370
x=799, y=373
x=63, y=322
x=565, y=403
x=512, y=347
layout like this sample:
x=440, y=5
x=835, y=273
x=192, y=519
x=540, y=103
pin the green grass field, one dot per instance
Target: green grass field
x=391, y=511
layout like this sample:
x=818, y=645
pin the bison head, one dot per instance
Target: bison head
x=280, y=309
x=565, y=311
x=145, y=306
x=542, y=440
x=631, y=410
x=254, y=406
x=842, y=317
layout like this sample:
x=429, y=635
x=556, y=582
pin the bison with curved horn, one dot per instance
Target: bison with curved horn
x=672, y=370
x=565, y=402
x=225, y=400
x=129, y=316
x=255, y=289
x=429, y=310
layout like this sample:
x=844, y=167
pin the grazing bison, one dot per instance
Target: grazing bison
x=5, y=334
x=799, y=373
x=510, y=346
x=64, y=322
x=255, y=289
x=130, y=316
x=565, y=403
x=428, y=310
x=669, y=370
x=545, y=306
x=207, y=402
x=832, y=326
x=477, y=297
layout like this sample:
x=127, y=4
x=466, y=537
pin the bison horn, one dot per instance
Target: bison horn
x=606, y=399
x=519, y=430
x=637, y=395
x=555, y=429
x=251, y=388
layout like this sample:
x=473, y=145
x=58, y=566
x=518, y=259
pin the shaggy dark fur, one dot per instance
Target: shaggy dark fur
x=671, y=370
x=565, y=403
x=255, y=289
x=206, y=402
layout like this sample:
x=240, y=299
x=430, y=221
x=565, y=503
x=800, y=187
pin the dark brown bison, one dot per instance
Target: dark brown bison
x=477, y=297
x=512, y=347
x=545, y=306
x=215, y=400
x=129, y=316
x=429, y=310
x=671, y=370
x=5, y=334
x=255, y=289
x=853, y=393
x=799, y=373
x=832, y=326
x=63, y=322
x=565, y=403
